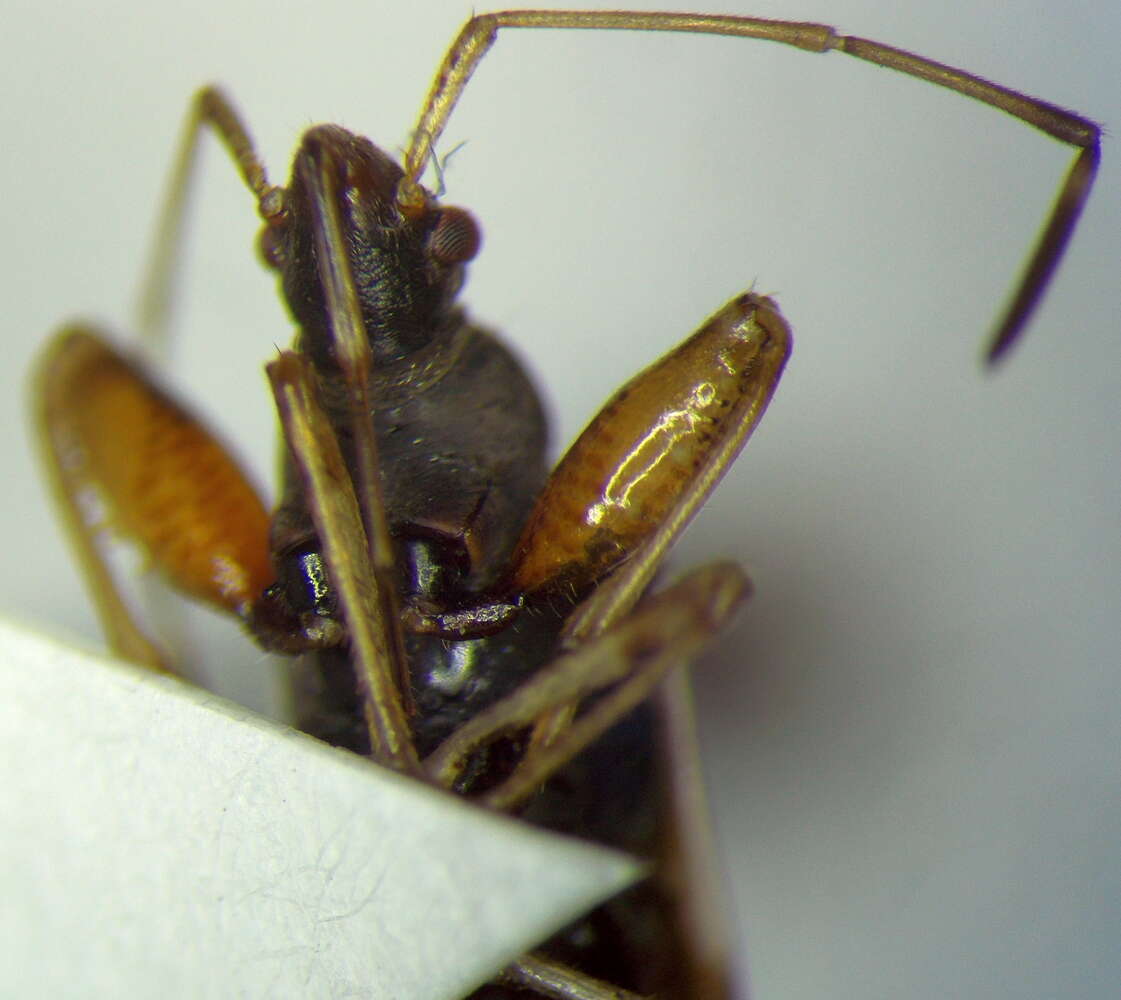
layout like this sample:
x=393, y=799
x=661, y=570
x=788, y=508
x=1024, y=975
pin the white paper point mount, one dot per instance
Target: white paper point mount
x=158, y=841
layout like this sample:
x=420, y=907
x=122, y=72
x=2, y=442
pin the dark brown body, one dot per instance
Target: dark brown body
x=457, y=491
x=461, y=443
x=460, y=435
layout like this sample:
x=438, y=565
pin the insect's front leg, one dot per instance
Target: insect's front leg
x=606, y=518
x=122, y=454
x=641, y=469
x=211, y=110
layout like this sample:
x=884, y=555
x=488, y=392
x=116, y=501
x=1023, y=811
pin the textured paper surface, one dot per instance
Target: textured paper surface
x=156, y=840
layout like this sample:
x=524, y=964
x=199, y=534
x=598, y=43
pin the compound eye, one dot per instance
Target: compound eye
x=270, y=245
x=456, y=237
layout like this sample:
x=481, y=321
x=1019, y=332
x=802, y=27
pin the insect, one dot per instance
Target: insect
x=419, y=156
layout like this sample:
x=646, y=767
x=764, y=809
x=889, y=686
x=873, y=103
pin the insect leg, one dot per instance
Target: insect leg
x=690, y=859
x=666, y=630
x=120, y=453
x=367, y=597
x=648, y=460
x=646, y=463
x=212, y=109
x=479, y=34
x=548, y=978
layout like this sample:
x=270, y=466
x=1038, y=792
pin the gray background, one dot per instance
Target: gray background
x=912, y=734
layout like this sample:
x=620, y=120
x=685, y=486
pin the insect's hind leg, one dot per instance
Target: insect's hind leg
x=481, y=31
x=212, y=109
